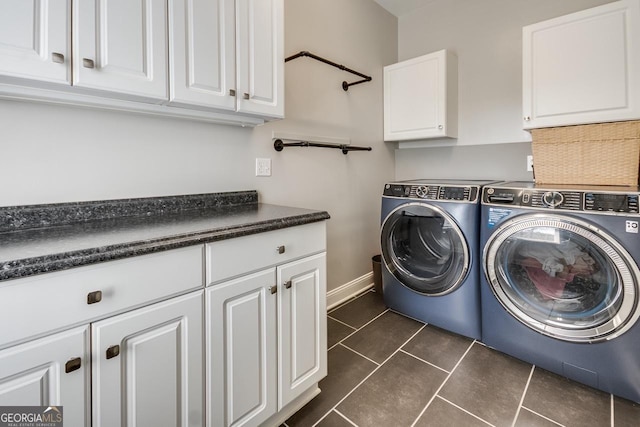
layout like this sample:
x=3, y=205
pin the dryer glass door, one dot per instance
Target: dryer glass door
x=563, y=277
x=424, y=249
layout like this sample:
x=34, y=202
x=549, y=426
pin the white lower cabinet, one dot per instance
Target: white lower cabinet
x=51, y=371
x=302, y=326
x=116, y=344
x=147, y=366
x=141, y=341
x=266, y=341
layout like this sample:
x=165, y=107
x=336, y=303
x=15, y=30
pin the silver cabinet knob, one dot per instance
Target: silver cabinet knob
x=440, y=127
x=280, y=249
x=527, y=118
x=57, y=57
x=232, y=92
x=288, y=284
x=246, y=96
x=273, y=289
x=88, y=63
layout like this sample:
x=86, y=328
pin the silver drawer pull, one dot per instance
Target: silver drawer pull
x=88, y=63
x=113, y=351
x=58, y=58
x=94, y=297
x=273, y=289
x=280, y=249
x=246, y=96
x=232, y=92
x=288, y=284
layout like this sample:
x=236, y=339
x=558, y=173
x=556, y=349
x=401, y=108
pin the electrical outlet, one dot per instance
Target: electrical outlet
x=529, y=163
x=263, y=167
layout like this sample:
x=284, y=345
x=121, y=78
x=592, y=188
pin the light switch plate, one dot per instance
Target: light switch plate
x=263, y=167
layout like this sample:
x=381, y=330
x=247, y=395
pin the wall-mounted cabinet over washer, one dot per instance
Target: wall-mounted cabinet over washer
x=583, y=67
x=421, y=98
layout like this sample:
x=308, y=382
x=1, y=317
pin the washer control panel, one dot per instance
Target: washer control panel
x=625, y=203
x=433, y=192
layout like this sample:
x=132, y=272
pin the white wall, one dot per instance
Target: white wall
x=56, y=154
x=487, y=37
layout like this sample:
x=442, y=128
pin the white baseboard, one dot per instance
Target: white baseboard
x=349, y=290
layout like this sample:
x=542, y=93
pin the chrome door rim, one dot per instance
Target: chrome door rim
x=626, y=269
x=465, y=249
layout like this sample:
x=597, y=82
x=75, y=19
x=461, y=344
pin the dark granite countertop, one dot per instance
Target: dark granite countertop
x=46, y=238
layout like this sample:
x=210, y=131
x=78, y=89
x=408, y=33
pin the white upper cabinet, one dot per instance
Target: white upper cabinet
x=421, y=98
x=260, y=57
x=35, y=40
x=121, y=46
x=583, y=67
x=212, y=58
x=228, y=54
x=202, y=49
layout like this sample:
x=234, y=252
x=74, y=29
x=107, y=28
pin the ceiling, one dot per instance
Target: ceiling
x=402, y=7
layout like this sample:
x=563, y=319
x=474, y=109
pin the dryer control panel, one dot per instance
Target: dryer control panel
x=615, y=202
x=433, y=192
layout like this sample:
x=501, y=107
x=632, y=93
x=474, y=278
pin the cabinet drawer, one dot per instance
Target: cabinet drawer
x=34, y=306
x=233, y=257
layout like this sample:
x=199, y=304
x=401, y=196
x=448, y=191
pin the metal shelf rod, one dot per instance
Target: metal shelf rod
x=279, y=145
x=345, y=85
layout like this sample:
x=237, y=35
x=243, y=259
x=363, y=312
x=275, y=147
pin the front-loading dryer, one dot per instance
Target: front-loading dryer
x=561, y=284
x=430, y=243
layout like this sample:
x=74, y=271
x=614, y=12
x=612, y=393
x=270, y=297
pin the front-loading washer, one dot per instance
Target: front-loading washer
x=430, y=242
x=561, y=284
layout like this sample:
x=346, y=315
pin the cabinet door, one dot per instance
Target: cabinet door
x=583, y=67
x=35, y=39
x=154, y=375
x=260, y=57
x=121, y=46
x=52, y=371
x=420, y=98
x=241, y=350
x=302, y=326
x=202, y=56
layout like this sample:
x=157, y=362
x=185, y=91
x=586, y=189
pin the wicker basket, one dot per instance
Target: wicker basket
x=598, y=154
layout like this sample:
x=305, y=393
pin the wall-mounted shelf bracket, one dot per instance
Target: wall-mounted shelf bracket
x=345, y=85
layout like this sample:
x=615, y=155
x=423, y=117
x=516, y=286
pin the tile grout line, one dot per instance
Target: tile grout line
x=613, y=418
x=339, y=342
x=345, y=417
x=340, y=321
x=464, y=410
x=371, y=373
x=360, y=354
x=524, y=393
x=424, y=361
x=442, y=385
x=542, y=416
x=345, y=303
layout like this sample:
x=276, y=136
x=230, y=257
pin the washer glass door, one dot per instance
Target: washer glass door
x=563, y=277
x=424, y=249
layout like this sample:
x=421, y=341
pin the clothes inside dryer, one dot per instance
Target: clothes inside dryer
x=424, y=249
x=557, y=275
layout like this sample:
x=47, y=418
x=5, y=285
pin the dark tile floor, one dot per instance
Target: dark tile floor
x=388, y=370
